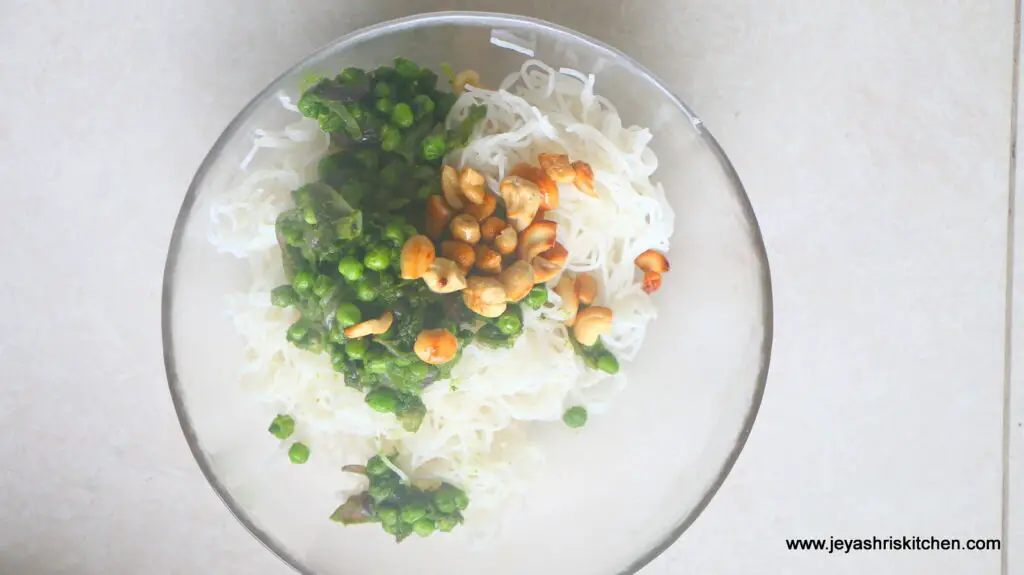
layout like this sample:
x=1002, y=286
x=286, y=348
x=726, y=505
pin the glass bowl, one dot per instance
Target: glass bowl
x=612, y=496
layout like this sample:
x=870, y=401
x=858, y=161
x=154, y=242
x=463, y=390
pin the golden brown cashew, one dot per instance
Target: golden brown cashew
x=557, y=167
x=567, y=291
x=506, y=241
x=485, y=296
x=548, y=188
x=417, y=256
x=465, y=228
x=450, y=187
x=436, y=346
x=653, y=264
x=548, y=264
x=438, y=216
x=591, y=323
x=518, y=280
x=538, y=237
x=584, y=178
x=371, y=326
x=471, y=183
x=487, y=260
x=444, y=276
x=484, y=209
x=586, y=288
x=459, y=252
x=522, y=200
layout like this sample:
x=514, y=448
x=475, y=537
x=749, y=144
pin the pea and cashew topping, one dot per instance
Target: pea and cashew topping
x=450, y=187
x=537, y=238
x=557, y=167
x=444, y=276
x=484, y=209
x=438, y=216
x=459, y=252
x=491, y=227
x=518, y=280
x=584, y=180
x=417, y=256
x=567, y=291
x=436, y=346
x=465, y=78
x=548, y=188
x=371, y=326
x=653, y=265
x=471, y=183
x=549, y=263
x=586, y=288
x=591, y=323
x=506, y=241
x=487, y=260
x=485, y=296
x=522, y=200
x=465, y=228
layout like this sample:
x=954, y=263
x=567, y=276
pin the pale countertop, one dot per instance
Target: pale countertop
x=875, y=143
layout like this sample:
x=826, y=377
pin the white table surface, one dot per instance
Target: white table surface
x=873, y=137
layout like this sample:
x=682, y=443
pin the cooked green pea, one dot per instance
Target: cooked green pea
x=461, y=499
x=284, y=296
x=376, y=466
x=446, y=524
x=608, y=364
x=423, y=106
x=575, y=417
x=351, y=269
x=322, y=285
x=297, y=331
x=381, y=490
x=413, y=512
x=382, y=400
x=423, y=527
x=444, y=500
x=303, y=281
x=387, y=515
x=433, y=147
x=537, y=297
x=389, y=138
x=282, y=426
x=384, y=106
x=365, y=291
x=298, y=453
x=356, y=348
x=393, y=232
x=407, y=68
x=378, y=258
x=377, y=364
x=402, y=115
x=309, y=214
x=338, y=361
x=348, y=315
x=382, y=89
x=309, y=105
x=509, y=323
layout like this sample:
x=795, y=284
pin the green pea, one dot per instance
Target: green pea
x=322, y=285
x=377, y=364
x=402, y=115
x=382, y=89
x=382, y=400
x=423, y=106
x=330, y=122
x=575, y=417
x=282, y=426
x=338, y=361
x=309, y=214
x=351, y=269
x=376, y=466
x=446, y=524
x=378, y=258
x=348, y=315
x=608, y=364
x=284, y=296
x=509, y=323
x=387, y=515
x=407, y=68
x=356, y=348
x=393, y=232
x=444, y=500
x=418, y=372
x=384, y=106
x=433, y=147
x=381, y=491
x=365, y=291
x=309, y=105
x=350, y=226
x=423, y=527
x=298, y=453
x=297, y=331
x=413, y=512
x=389, y=138
x=303, y=281
x=461, y=499
x=537, y=297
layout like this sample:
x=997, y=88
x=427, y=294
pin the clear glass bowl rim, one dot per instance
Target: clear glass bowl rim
x=453, y=17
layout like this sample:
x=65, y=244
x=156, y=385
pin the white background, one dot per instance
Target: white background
x=874, y=138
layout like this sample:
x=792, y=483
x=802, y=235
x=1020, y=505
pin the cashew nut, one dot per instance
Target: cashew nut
x=522, y=200
x=536, y=238
x=487, y=260
x=584, y=178
x=491, y=227
x=463, y=79
x=465, y=229
x=557, y=167
x=548, y=264
x=438, y=216
x=450, y=187
x=591, y=323
x=653, y=264
x=371, y=326
x=518, y=280
x=586, y=288
x=471, y=182
x=484, y=209
x=548, y=188
x=444, y=276
x=417, y=256
x=459, y=252
x=567, y=291
x=436, y=346
x=506, y=241
x=485, y=296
